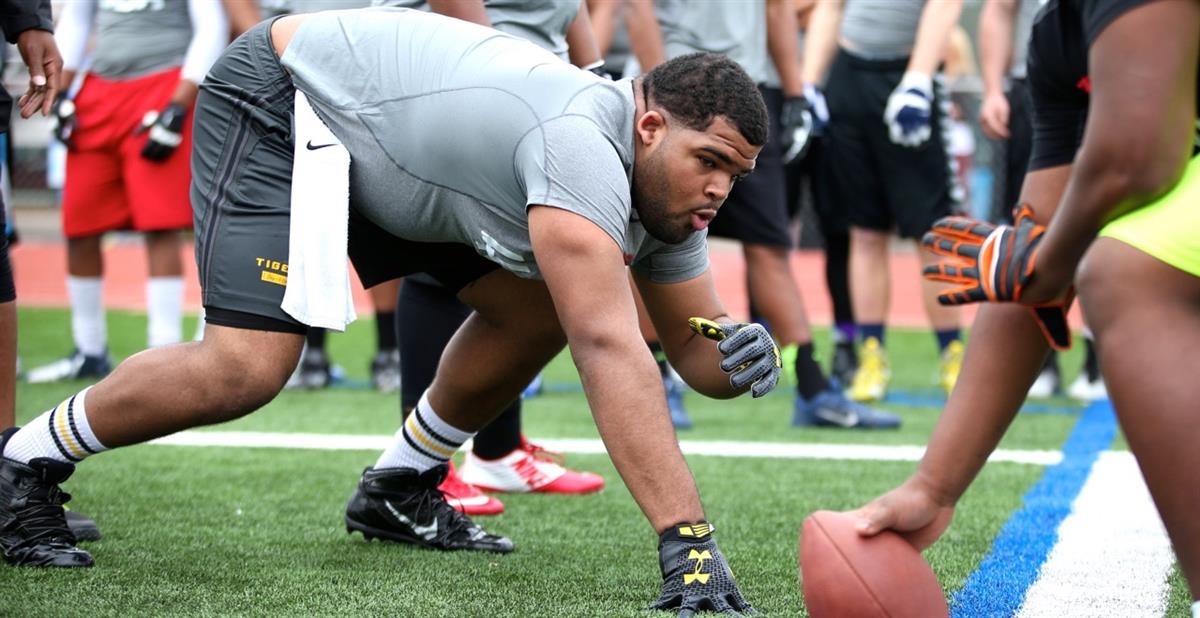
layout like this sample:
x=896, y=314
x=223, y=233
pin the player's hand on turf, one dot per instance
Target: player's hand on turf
x=911, y=510
x=166, y=131
x=908, y=115
x=798, y=127
x=997, y=263
x=63, y=121
x=750, y=354
x=696, y=577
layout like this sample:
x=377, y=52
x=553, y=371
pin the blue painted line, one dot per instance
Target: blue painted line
x=998, y=587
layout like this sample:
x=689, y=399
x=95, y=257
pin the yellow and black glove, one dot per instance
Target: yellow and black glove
x=696, y=577
x=994, y=263
x=751, y=356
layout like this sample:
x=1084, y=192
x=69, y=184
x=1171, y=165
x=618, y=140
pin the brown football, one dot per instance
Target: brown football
x=844, y=575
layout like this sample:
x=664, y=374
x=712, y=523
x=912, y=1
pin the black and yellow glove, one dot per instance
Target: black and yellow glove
x=751, y=356
x=695, y=575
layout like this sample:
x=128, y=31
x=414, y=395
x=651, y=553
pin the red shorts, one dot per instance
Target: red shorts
x=109, y=186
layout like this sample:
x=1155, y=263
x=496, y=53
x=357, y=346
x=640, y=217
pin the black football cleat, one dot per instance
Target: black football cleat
x=33, y=529
x=402, y=505
x=83, y=527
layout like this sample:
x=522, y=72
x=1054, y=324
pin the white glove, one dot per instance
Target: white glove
x=908, y=116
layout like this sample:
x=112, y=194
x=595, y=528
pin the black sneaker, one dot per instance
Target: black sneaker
x=385, y=371
x=313, y=372
x=402, y=505
x=845, y=362
x=77, y=366
x=33, y=530
x=83, y=527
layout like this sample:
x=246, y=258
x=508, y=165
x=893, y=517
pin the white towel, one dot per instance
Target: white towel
x=318, y=285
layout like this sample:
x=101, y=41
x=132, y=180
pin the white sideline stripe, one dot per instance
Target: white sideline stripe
x=1113, y=556
x=718, y=448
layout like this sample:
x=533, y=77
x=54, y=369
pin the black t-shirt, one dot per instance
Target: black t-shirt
x=1063, y=31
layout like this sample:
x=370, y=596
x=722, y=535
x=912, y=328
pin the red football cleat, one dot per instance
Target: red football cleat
x=467, y=498
x=529, y=468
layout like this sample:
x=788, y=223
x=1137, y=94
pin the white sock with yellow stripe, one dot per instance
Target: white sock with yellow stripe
x=61, y=433
x=424, y=441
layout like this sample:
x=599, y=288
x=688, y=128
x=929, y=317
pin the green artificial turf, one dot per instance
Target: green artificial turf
x=238, y=531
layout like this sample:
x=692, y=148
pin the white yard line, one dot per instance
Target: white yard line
x=721, y=448
x=1112, y=557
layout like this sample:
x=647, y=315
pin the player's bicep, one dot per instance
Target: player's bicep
x=585, y=272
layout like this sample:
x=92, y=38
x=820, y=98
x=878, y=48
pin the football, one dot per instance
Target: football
x=844, y=575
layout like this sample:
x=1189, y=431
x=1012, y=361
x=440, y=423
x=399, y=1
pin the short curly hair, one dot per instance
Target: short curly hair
x=695, y=88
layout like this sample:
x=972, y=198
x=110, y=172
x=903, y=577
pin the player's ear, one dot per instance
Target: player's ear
x=651, y=127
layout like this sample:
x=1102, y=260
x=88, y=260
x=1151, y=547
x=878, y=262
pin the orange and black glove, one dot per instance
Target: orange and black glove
x=995, y=263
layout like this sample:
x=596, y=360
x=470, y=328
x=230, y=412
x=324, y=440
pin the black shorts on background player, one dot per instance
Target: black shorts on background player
x=882, y=184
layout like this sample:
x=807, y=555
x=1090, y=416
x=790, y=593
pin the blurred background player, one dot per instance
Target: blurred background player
x=128, y=131
x=28, y=25
x=761, y=37
x=315, y=369
x=885, y=154
x=1007, y=118
x=428, y=314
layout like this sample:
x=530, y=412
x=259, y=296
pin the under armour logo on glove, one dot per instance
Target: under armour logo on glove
x=908, y=115
x=166, y=131
x=798, y=127
x=751, y=356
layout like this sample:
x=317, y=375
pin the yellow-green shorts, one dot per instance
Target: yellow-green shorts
x=1168, y=228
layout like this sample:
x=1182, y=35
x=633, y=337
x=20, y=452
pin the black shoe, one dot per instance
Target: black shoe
x=83, y=527
x=385, y=371
x=313, y=372
x=845, y=362
x=33, y=530
x=402, y=505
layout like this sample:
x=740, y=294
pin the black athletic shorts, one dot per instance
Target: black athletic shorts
x=241, y=198
x=756, y=212
x=884, y=185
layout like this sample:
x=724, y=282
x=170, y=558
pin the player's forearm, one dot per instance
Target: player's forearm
x=466, y=10
x=628, y=403
x=243, y=15
x=937, y=21
x=645, y=36
x=820, y=43
x=784, y=48
x=603, y=15
x=698, y=362
x=986, y=398
x=995, y=43
x=581, y=42
x=185, y=93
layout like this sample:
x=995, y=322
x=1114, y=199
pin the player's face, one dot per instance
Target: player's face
x=685, y=176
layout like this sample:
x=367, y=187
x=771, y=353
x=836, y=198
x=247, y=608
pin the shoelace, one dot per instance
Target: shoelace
x=541, y=453
x=42, y=517
x=452, y=521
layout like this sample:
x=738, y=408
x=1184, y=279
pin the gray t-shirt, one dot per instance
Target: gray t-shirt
x=736, y=29
x=881, y=29
x=274, y=8
x=455, y=129
x=140, y=37
x=542, y=22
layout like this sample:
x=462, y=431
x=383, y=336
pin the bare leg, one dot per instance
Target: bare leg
x=870, y=279
x=162, y=253
x=232, y=372
x=8, y=363
x=84, y=258
x=1146, y=318
x=511, y=336
x=775, y=293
